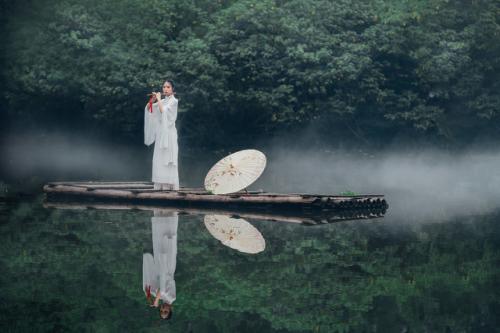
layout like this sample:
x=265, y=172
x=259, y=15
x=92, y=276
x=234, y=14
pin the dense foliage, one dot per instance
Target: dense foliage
x=366, y=71
x=80, y=270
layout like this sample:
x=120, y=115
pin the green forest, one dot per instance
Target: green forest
x=367, y=71
x=324, y=75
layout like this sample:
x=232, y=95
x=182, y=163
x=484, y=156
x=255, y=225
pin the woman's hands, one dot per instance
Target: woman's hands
x=156, y=97
x=153, y=97
x=156, y=303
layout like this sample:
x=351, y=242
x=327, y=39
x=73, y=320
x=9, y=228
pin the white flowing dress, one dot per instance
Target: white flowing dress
x=160, y=128
x=158, y=268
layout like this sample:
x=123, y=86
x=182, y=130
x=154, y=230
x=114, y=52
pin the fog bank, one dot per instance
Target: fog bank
x=417, y=185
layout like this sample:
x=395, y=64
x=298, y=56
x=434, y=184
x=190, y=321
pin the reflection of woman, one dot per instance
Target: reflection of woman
x=158, y=269
x=159, y=127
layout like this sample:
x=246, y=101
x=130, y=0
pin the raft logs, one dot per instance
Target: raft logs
x=143, y=192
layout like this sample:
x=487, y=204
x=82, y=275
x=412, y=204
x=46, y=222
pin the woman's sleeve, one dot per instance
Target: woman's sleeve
x=149, y=273
x=171, y=113
x=168, y=126
x=167, y=281
x=151, y=123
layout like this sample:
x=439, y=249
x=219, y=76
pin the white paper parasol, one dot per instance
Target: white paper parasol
x=235, y=172
x=238, y=234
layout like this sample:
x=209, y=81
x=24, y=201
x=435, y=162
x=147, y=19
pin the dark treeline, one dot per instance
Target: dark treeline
x=360, y=71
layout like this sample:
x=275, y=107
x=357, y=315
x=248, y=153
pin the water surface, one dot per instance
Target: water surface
x=66, y=270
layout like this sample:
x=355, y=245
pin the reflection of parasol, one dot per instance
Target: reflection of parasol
x=235, y=172
x=238, y=234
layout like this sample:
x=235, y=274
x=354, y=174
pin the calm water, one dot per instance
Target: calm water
x=67, y=270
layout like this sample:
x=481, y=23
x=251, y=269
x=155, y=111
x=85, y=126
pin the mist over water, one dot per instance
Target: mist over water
x=65, y=157
x=418, y=185
x=427, y=184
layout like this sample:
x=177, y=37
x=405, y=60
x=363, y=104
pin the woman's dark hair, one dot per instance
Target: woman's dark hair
x=171, y=83
x=169, y=315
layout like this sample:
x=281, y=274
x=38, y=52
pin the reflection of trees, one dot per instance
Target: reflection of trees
x=72, y=271
x=353, y=276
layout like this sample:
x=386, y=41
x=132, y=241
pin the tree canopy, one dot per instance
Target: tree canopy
x=365, y=70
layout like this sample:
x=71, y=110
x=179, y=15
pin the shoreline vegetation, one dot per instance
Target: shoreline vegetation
x=361, y=73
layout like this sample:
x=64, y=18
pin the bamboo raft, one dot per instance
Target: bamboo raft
x=142, y=193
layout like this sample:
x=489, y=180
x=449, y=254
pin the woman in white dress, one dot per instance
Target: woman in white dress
x=159, y=127
x=158, y=269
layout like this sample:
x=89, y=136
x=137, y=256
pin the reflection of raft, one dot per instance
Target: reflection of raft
x=143, y=193
x=300, y=217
